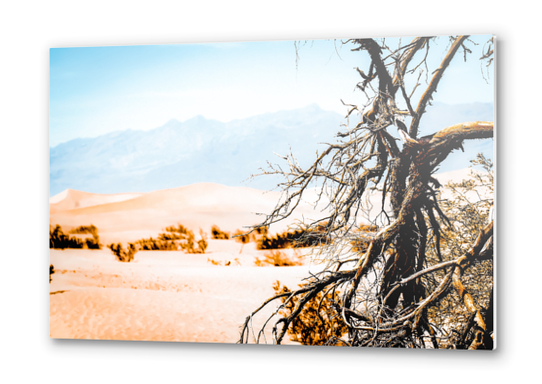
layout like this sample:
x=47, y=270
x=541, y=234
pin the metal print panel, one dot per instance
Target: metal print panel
x=329, y=193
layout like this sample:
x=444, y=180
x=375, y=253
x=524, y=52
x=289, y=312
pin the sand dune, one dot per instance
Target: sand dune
x=132, y=216
x=167, y=295
x=197, y=206
x=72, y=199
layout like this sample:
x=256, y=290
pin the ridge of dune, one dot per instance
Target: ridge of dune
x=130, y=217
x=59, y=197
x=196, y=206
x=194, y=197
x=219, y=197
x=73, y=199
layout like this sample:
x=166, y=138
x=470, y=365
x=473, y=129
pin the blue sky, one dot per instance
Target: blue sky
x=97, y=90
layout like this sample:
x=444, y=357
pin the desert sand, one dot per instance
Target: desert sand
x=163, y=295
x=168, y=295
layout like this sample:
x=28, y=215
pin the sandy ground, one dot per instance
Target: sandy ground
x=164, y=295
x=161, y=295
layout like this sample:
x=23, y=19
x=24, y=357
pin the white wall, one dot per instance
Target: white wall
x=29, y=28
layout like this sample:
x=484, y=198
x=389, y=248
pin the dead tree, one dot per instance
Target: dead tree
x=394, y=284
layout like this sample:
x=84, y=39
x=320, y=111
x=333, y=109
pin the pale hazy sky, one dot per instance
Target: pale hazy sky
x=96, y=90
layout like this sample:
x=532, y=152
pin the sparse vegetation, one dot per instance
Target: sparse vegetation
x=243, y=237
x=218, y=234
x=60, y=240
x=278, y=259
x=468, y=212
x=173, y=239
x=318, y=322
x=123, y=255
x=225, y=263
x=289, y=239
x=256, y=235
x=93, y=243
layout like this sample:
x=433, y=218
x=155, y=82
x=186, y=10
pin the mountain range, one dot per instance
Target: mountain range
x=202, y=150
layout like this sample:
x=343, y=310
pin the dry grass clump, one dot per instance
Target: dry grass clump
x=60, y=240
x=299, y=238
x=219, y=234
x=123, y=255
x=318, y=322
x=224, y=263
x=256, y=235
x=93, y=243
x=278, y=259
x=173, y=239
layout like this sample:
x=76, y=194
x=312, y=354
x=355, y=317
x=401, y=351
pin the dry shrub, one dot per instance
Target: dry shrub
x=243, y=237
x=318, y=323
x=219, y=234
x=93, y=243
x=256, y=235
x=226, y=263
x=173, y=239
x=60, y=240
x=299, y=238
x=123, y=255
x=278, y=259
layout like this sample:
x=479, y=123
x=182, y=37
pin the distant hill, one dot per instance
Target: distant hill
x=202, y=150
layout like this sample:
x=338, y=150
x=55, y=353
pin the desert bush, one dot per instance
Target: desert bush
x=202, y=243
x=299, y=238
x=122, y=254
x=318, y=322
x=468, y=210
x=278, y=259
x=51, y=271
x=152, y=244
x=91, y=229
x=93, y=243
x=218, y=234
x=255, y=235
x=242, y=237
x=189, y=245
x=174, y=239
x=59, y=240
